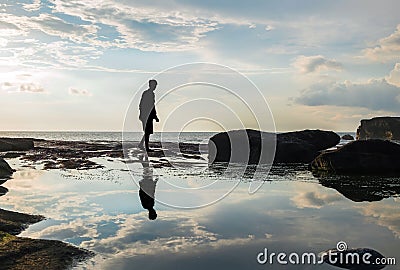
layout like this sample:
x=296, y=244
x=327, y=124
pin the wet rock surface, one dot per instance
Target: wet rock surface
x=16, y=144
x=291, y=147
x=5, y=170
x=364, y=157
x=25, y=253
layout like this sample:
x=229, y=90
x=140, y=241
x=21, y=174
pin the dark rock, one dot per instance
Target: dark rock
x=3, y=191
x=369, y=157
x=12, y=154
x=5, y=170
x=25, y=253
x=386, y=128
x=303, y=146
x=256, y=147
x=348, y=137
x=16, y=144
x=14, y=222
x=355, y=259
x=37, y=254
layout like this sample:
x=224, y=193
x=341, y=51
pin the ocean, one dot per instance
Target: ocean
x=188, y=137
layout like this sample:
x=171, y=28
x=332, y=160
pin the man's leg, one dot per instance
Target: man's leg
x=146, y=141
x=140, y=145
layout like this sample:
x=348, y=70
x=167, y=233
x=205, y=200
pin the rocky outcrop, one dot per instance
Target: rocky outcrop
x=5, y=169
x=365, y=157
x=347, y=137
x=15, y=144
x=385, y=128
x=255, y=147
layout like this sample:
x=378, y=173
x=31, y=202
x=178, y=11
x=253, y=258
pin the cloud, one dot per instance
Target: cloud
x=22, y=82
x=387, y=49
x=384, y=214
x=31, y=88
x=35, y=5
x=317, y=63
x=394, y=76
x=147, y=28
x=79, y=92
x=314, y=199
x=26, y=87
x=376, y=94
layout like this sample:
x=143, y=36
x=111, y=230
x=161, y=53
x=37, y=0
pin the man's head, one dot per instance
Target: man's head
x=152, y=84
x=152, y=214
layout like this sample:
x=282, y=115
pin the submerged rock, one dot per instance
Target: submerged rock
x=347, y=137
x=16, y=144
x=255, y=147
x=386, y=128
x=370, y=157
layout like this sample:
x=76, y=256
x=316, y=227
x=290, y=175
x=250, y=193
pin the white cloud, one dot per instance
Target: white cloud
x=142, y=27
x=387, y=49
x=35, y=5
x=79, y=92
x=27, y=82
x=269, y=28
x=394, y=76
x=317, y=63
x=376, y=94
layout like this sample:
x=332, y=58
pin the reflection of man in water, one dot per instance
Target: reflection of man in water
x=147, y=188
x=147, y=114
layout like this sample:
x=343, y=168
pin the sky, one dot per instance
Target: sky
x=82, y=65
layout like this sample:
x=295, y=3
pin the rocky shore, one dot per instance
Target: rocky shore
x=25, y=253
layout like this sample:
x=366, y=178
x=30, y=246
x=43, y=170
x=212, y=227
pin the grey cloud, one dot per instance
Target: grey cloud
x=374, y=95
x=309, y=64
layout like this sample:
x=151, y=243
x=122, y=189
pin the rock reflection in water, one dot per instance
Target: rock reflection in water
x=363, y=188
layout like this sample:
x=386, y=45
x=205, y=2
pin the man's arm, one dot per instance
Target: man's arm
x=154, y=114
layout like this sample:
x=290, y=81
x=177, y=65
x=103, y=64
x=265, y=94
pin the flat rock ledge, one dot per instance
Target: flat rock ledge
x=25, y=253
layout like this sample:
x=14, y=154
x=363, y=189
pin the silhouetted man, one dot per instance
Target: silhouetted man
x=147, y=114
x=147, y=188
